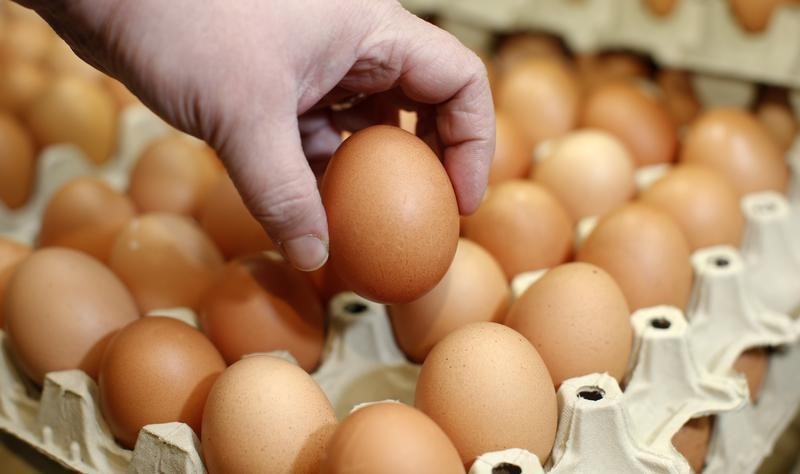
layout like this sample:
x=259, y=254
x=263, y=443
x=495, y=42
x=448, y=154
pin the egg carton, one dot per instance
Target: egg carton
x=58, y=164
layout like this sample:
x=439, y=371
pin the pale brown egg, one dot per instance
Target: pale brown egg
x=61, y=309
x=165, y=260
x=225, y=218
x=262, y=304
x=523, y=226
x=735, y=144
x=174, y=174
x=488, y=389
x=646, y=253
x=76, y=111
x=156, y=370
x=392, y=215
x=599, y=69
x=541, y=97
x=28, y=39
x=640, y=121
x=122, y=96
x=85, y=214
x=754, y=364
x=20, y=84
x=755, y=17
x=473, y=289
x=679, y=96
x=390, y=438
x=522, y=47
x=60, y=59
x=265, y=414
x=577, y=318
x=17, y=162
x=661, y=7
x=692, y=441
x=589, y=171
x=703, y=202
x=512, y=155
x=12, y=253
x=777, y=116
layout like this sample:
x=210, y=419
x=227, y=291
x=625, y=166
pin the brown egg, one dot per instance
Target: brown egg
x=488, y=389
x=578, y=320
x=522, y=47
x=260, y=304
x=645, y=251
x=85, y=214
x=755, y=17
x=734, y=143
x=523, y=226
x=661, y=7
x=512, y=156
x=754, y=364
x=174, y=174
x=597, y=70
x=326, y=282
x=692, y=441
x=165, y=260
x=17, y=162
x=702, y=202
x=776, y=115
x=392, y=215
x=28, y=39
x=679, y=96
x=224, y=217
x=60, y=59
x=156, y=370
x=589, y=171
x=123, y=97
x=20, y=84
x=61, y=308
x=12, y=253
x=76, y=111
x=473, y=289
x=413, y=443
x=640, y=121
x=265, y=414
x=542, y=97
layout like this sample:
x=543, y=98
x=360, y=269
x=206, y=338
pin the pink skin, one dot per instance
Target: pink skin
x=254, y=78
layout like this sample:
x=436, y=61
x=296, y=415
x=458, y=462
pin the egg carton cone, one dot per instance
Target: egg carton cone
x=58, y=164
x=508, y=461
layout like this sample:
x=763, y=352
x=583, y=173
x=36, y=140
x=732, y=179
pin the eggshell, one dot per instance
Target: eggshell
x=755, y=17
x=265, y=414
x=646, y=253
x=640, y=121
x=735, y=144
x=76, y=111
x=679, y=96
x=17, y=162
x=392, y=215
x=542, y=97
x=326, y=282
x=589, y=171
x=11, y=255
x=522, y=47
x=224, y=217
x=20, y=84
x=512, y=156
x=390, y=438
x=692, y=441
x=61, y=308
x=123, y=97
x=577, y=318
x=704, y=203
x=598, y=69
x=473, y=289
x=753, y=364
x=523, y=226
x=174, y=174
x=165, y=260
x=776, y=115
x=488, y=389
x=156, y=370
x=60, y=59
x=85, y=214
x=661, y=7
x=28, y=39
x=259, y=304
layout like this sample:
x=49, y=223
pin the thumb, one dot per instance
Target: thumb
x=266, y=162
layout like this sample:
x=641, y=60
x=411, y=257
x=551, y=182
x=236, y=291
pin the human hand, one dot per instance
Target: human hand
x=253, y=78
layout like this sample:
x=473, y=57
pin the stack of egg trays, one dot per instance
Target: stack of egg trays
x=698, y=35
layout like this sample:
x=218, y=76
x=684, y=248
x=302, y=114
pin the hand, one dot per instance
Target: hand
x=252, y=77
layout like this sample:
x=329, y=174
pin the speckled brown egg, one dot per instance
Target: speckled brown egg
x=390, y=438
x=646, y=253
x=265, y=414
x=523, y=226
x=473, y=289
x=488, y=389
x=11, y=255
x=639, y=120
x=17, y=162
x=61, y=308
x=512, y=155
x=262, y=304
x=703, y=202
x=577, y=318
x=156, y=370
x=85, y=214
x=735, y=144
x=165, y=260
x=392, y=215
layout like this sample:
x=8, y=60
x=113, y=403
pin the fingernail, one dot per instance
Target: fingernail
x=306, y=253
